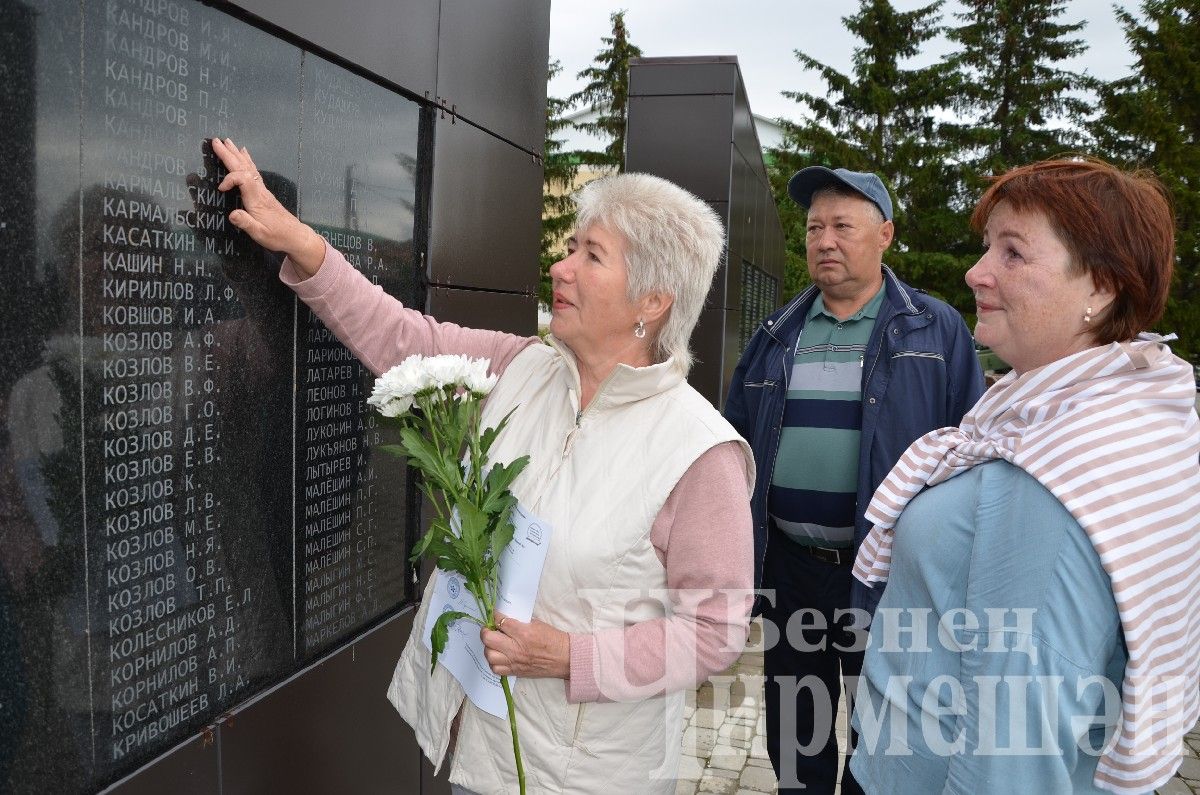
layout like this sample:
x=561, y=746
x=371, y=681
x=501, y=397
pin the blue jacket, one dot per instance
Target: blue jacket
x=920, y=372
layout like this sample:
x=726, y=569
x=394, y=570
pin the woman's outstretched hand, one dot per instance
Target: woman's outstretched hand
x=261, y=216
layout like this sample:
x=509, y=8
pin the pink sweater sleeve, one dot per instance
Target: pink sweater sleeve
x=704, y=536
x=379, y=330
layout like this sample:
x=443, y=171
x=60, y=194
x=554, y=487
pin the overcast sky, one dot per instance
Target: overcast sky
x=764, y=33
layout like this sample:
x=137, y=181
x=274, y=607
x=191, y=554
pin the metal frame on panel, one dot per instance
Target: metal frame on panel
x=509, y=42
x=485, y=214
x=395, y=40
x=515, y=313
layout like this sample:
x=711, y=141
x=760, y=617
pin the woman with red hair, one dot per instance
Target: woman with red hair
x=1040, y=627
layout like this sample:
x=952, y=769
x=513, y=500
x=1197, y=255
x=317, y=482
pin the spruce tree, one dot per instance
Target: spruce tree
x=880, y=118
x=1152, y=119
x=607, y=91
x=1018, y=107
x=560, y=169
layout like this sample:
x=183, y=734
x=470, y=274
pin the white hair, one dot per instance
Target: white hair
x=673, y=244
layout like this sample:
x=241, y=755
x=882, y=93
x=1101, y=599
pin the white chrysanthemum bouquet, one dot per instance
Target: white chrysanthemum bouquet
x=436, y=402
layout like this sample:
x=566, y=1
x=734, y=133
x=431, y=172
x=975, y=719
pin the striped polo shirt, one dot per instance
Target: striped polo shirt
x=814, y=485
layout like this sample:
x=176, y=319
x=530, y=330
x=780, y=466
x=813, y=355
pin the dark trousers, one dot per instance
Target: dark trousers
x=805, y=672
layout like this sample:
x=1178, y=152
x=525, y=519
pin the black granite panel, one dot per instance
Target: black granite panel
x=185, y=390
x=677, y=76
x=485, y=217
x=727, y=285
x=46, y=742
x=731, y=352
x=684, y=139
x=745, y=135
x=395, y=39
x=759, y=294
x=741, y=214
x=161, y=557
x=358, y=186
x=191, y=768
x=733, y=242
x=716, y=292
x=775, y=247
x=764, y=206
x=434, y=784
x=508, y=41
x=706, y=348
x=515, y=313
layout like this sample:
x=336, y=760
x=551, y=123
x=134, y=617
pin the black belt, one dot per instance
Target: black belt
x=843, y=556
x=837, y=557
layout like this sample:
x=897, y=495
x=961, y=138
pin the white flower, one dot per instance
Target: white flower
x=477, y=380
x=446, y=370
x=390, y=406
x=396, y=389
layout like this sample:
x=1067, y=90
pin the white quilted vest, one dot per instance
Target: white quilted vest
x=599, y=478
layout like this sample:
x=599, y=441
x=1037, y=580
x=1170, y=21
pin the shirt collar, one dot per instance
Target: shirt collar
x=625, y=384
x=869, y=310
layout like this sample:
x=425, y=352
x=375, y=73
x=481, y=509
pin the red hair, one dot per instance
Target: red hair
x=1117, y=225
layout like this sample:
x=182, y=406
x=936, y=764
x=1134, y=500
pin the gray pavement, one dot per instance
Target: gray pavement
x=724, y=740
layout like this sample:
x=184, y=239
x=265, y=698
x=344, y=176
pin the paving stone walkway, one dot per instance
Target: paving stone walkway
x=724, y=741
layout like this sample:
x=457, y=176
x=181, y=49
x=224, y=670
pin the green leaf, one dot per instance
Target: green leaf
x=499, y=478
x=441, y=634
x=473, y=525
x=420, y=547
x=501, y=537
x=424, y=456
x=489, y=434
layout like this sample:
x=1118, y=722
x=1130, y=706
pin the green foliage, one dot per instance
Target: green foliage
x=470, y=497
x=1152, y=119
x=560, y=169
x=1017, y=106
x=607, y=91
x=474, y=506
x=874, y=118
x=793, y=218
x=879, y=118
x=441, y=634
x=939, y=274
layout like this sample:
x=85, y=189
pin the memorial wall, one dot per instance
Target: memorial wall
x=193, y=504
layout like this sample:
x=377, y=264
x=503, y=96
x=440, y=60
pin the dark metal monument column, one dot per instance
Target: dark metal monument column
x=690, y=122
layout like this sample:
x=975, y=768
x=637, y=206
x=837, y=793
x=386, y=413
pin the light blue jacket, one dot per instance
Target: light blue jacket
x=1030, y=625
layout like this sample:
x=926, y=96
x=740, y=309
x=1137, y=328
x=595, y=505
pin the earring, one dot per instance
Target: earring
x=639, y=331
x=1087, y=315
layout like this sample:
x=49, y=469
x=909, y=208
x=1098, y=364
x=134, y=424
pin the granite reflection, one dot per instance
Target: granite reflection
x=155, y=558
x=358, y=183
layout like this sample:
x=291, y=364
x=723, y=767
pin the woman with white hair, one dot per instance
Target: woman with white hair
x=646, y=589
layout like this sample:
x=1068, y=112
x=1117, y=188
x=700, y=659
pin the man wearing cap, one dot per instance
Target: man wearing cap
x=830, y=392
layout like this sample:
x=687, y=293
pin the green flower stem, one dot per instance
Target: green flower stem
x=512, y=707
x=512, y=725
x=476, y=473
x=487, y=613
x=451, y=428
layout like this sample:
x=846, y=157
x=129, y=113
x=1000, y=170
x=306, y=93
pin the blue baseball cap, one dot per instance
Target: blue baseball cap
x=807, y=181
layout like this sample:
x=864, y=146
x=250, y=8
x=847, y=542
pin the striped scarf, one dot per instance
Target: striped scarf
x=1112, y=432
